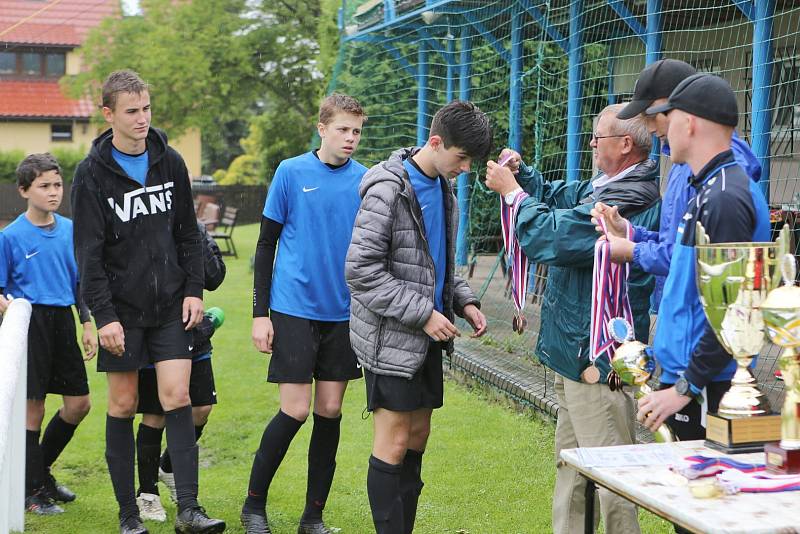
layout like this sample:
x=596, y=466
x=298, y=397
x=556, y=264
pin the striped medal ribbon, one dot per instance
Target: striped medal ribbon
x=609, y=301
x=517, y=261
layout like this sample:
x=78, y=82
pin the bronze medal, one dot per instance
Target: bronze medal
x=519, y=323
x=591, y=375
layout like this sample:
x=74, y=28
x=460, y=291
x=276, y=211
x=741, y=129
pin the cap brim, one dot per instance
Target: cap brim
x=633, y=108
x=655, y=110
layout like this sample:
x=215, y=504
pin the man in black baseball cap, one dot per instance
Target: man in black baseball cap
x=702, y=95
x=656, y=81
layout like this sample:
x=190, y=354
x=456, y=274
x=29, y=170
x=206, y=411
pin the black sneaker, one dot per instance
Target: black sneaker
x=56, y=491
x=313, y=528
x=255, y=523
x=196, y=521
x=40, y=504
x=132, y=525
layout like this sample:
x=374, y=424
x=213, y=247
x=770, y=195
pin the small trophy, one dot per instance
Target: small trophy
x=733, y=280
x=633, y=364
x=781, y=313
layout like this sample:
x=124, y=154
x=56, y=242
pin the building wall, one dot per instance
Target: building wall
x=31, y=137
x=73, y=63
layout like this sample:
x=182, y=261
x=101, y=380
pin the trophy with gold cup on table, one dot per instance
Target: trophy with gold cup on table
x=733, y=280
x=781, y=312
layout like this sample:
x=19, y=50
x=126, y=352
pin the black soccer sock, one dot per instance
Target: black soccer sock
x=166, y=463
x=120, y=457
x=385, y=500
x=411, y=486
x=34, y=467
x=321, y=464
x=148, y=447
x=274, y=443
x=56, y=436
x=183, y=453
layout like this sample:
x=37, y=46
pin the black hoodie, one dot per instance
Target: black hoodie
x=138, y=248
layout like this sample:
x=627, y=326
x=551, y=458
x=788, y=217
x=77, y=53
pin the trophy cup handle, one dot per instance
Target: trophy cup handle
x=700, y=235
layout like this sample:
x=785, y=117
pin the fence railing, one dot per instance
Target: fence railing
x=13, y=385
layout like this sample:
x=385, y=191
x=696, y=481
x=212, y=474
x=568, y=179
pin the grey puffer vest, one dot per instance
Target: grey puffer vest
x=390, y=272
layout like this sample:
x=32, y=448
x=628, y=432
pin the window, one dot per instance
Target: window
x=56, y=64
x=8, y=63
x=31, y=64
x=61, y=132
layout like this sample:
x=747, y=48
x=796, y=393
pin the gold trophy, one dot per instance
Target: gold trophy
x=633, y=364
x=781, y=313
x=733, y=280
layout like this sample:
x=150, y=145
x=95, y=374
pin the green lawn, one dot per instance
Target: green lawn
x=488, y=469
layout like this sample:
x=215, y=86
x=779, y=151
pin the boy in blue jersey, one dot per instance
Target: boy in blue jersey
x=37, y=263
x=405, y=296
x=301, y=307
x=140, y=258
x=202, y=392
x=702, y=116
x=652, y=251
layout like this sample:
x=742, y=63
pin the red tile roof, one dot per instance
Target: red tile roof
x=52, y=22
x=33, y=99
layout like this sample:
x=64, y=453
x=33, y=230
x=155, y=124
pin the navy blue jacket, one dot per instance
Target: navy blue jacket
x=731, y=208
x=653, y=250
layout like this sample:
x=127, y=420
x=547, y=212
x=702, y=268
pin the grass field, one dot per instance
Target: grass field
x=488, y=468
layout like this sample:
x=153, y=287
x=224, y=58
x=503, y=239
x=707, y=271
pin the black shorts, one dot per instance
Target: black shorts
x=146, y=345
x=305, y=349
x=686, y=423
x=202, y=390
x=424, y=390
x=55, y=362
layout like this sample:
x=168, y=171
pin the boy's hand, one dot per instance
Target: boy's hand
x=263, y=334
x=4, y=303
x=615, y=224
x=192, y=312
x=89, y=340
x=657, y=406
x=476, y=319
x=621, y=249
x=112, y=338
x=439, y=328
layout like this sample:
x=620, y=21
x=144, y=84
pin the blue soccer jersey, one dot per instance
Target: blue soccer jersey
x=431, y=200
x=39, y=264
x=134, y=166
x=317, y=207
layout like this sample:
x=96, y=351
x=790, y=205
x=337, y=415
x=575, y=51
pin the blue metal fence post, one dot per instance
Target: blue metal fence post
x=515, y=89
x=762, y=80
x=422, y=93
x=462, y=184
x=575, y=90
x=451, y=67
x=653, y=53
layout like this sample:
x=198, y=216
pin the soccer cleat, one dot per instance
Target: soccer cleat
x=255, y=523
x=313, y=528
x=132, y=525
x=169, y=481
x=150, y=508
x=40, y=504
x=56, y=491
x=196, y=521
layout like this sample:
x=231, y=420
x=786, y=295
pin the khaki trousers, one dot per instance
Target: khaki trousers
x=591, y=415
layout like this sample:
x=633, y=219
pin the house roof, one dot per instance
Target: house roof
x=40, y=100
x=52, y=22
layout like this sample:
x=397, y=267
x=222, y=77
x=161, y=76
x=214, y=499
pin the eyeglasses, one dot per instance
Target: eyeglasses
x=595, y=137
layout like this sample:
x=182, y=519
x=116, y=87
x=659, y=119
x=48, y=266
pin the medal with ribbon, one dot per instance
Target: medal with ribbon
x=517, y=261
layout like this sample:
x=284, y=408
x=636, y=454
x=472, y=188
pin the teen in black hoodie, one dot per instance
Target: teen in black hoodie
x=141, y=268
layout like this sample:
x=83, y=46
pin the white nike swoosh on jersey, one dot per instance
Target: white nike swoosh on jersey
x=423, y=207
x=309, y=189
x=29, y=256
x=191, y=347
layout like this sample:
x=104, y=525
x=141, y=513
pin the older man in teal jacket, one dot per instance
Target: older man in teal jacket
x=554, y=227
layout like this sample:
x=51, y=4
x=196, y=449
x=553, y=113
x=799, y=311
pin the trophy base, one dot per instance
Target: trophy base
x=782, y=461
x=734, y=435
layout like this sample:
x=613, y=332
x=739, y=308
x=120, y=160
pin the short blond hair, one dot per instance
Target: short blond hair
x=339, y=103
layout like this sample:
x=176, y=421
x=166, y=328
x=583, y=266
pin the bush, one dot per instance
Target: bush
x=68, y=158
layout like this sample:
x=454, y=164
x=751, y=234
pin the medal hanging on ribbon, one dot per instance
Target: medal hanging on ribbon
x=609, y=302
x=517, y=261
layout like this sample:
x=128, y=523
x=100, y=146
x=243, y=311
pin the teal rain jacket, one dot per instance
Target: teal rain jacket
x=554, y=227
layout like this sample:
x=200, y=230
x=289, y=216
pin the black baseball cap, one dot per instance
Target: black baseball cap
x=657, y=80
x=703, y=95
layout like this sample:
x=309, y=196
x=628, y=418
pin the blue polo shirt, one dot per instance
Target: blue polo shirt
x=38, y=264
x=317, y=206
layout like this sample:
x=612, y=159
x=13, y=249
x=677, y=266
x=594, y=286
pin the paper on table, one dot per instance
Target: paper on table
x=627, y=455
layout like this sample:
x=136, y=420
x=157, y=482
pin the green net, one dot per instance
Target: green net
x=387, y=46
